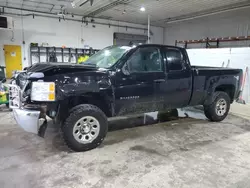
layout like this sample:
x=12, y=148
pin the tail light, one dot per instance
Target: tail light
x=243, y=79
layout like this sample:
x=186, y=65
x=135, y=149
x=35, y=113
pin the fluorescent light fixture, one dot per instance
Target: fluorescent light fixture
x=142, y=9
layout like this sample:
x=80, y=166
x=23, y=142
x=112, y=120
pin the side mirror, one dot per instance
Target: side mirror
x=125, y=69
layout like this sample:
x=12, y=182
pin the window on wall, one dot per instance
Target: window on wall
x=174, y=59
x=146, y=59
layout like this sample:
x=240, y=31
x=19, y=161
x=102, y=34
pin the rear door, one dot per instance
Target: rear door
x=135, y=83
x=177, y=89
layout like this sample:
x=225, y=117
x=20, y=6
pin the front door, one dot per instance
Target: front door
x=13, y=59
x=135, y=83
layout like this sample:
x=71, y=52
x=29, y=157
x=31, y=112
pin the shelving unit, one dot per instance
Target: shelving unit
x=41, y=54
x=212, y=42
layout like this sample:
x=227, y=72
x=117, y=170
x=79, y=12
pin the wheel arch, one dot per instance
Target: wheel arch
x=227, y=88
x=101, y=101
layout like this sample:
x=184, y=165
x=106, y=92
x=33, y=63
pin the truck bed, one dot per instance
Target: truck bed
x=205, y=80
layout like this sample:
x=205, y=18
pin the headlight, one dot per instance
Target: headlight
x=43, y=91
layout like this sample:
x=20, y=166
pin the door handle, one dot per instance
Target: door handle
x=159, y=80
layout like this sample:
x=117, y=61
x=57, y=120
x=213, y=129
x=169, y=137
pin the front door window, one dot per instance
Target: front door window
x=144, y=60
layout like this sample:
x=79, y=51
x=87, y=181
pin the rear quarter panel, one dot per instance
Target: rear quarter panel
x=206, y=80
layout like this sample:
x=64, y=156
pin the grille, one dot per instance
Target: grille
x=15, y=96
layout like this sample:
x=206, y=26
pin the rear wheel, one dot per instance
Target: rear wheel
x=85, y=128
x=218, y=110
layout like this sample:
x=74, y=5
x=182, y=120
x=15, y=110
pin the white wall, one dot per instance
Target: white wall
x=234, y=57
x=68, y=33
x=229, y=24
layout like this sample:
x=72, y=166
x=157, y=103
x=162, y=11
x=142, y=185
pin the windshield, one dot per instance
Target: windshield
x=107, y=57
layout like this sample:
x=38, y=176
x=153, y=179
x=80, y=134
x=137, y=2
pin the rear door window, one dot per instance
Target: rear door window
x=174, y=59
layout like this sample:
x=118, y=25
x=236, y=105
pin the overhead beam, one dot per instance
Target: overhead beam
x=28, y=10
x=106, y=7
x=207, y=12
x=91, y=2
x=54, y=16
x=32, y=1
x=79, y=3
x=52, y=8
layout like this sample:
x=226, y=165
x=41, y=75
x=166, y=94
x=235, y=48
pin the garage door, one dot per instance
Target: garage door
x=128, y=39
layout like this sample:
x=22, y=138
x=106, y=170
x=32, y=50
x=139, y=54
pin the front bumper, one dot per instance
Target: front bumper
x=28, y=120
x=32, y=118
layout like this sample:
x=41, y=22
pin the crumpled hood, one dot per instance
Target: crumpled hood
x=43, y=67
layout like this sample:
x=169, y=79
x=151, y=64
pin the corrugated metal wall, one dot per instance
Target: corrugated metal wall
x=229, y=24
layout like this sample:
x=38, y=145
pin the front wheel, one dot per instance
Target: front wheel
x=218, y=110
x=85, y=128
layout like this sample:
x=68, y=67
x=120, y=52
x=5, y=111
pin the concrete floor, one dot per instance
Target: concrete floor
x=181, y=154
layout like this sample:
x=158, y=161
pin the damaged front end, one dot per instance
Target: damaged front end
x=31, y=121
x=30, y=117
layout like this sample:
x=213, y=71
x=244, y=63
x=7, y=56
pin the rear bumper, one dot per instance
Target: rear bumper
x=28, y=120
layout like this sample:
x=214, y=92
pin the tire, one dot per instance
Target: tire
x=218, y=110
x=85, y=128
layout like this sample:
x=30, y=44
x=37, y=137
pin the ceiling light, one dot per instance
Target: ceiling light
x=142, y=9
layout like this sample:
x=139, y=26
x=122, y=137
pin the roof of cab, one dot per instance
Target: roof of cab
x=161, y=45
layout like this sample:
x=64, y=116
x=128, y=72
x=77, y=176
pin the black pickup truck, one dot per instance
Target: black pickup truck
x=118, y=80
